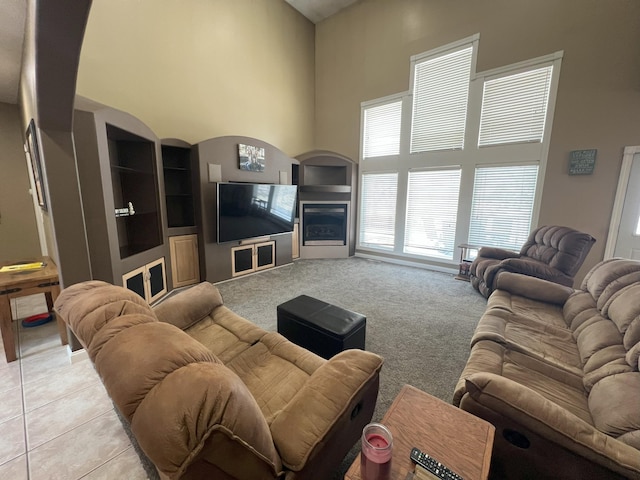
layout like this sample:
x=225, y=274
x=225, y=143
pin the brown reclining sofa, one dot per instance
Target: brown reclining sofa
x=556, y=371
x=209, y=394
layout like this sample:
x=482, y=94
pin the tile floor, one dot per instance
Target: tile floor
x=56, y=420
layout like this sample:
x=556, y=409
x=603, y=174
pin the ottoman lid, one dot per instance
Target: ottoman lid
x=322, y=315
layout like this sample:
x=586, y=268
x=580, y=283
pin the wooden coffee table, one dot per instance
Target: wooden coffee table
x=452, y=436
x=27, y=282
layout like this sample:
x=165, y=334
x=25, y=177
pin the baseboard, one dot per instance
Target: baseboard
x=78, y=355
x=406, y=263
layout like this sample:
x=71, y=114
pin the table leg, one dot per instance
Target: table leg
x=51, y=297
x=6, y=329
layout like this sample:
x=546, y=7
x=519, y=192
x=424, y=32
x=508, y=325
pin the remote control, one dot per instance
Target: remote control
x=432, y=465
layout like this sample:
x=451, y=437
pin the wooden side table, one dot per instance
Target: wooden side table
x=452, y=436
x=27, y=282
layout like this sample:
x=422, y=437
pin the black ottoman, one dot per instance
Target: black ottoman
x=321, y=327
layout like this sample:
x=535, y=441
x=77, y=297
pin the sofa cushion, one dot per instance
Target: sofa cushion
x=190, y=306
x=526, y=308
x=624, y=311
x=562, y=387
x=615, y=404
x=273, y=370
x=606, y=278
x=225, y=333
x=131, y=347
x=205, y=404
x=597, y=335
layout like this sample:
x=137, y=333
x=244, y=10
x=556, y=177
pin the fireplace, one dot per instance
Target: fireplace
x=324, y=224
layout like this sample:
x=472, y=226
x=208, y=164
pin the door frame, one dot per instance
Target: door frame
x=621, y=192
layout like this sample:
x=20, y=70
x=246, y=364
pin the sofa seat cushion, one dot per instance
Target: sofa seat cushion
x=545, y=342
x=225, y=333
x=274, y=369
x=530, y=310
x=555, y=384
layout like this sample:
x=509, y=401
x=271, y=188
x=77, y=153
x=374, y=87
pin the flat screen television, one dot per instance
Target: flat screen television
x=248, y=210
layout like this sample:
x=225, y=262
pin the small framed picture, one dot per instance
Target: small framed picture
x=251, y=158
x=33, y=151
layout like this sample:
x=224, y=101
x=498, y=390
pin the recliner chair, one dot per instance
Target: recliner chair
x=553, y=253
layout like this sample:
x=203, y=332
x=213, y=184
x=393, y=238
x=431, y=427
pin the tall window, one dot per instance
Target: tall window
x=378, y=210
x=502, y=205
x=381, y=135
x=440, y=97
x=432, y=210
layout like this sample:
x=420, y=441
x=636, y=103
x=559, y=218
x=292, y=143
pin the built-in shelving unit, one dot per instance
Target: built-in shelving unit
x=178, y=185
x=122, y=198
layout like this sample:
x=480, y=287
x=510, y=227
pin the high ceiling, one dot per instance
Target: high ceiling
x=12, y=22
x=318, y=10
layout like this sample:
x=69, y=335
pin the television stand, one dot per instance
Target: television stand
x=252, y=258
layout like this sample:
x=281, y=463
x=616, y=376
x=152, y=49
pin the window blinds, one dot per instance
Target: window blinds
x=440, y=94
x=502, y=205
x=432, y=210
x=514, y=107
x=382, y=130
x=378, y=211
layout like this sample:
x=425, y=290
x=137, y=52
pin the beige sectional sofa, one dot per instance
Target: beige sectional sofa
x=556, y=371
x=209, y=394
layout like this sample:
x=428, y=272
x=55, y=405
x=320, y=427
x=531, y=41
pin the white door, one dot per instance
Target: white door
x=626, y=241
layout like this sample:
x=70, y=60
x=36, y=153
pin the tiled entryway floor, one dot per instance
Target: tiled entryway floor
x=56, y=420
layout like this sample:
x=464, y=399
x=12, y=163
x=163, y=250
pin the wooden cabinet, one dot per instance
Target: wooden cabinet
x=185, y=268
x=295, y=241
x=149, y=281
x=252, y=258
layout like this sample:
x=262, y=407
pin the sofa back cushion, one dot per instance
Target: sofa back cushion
x=614, y=403
x=562, y=248
x=608, y=277
x=189, y=306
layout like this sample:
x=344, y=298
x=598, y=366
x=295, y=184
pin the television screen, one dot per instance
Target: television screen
x=248, y=210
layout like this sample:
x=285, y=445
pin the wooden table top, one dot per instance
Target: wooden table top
x=452, y=436
x=13, y=279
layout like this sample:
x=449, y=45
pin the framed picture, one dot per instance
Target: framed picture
x=251, y=158
x=36, y=165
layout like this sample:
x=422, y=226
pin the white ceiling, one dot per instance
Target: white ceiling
x=12, y=21
x=318, y=10
x=12, y=18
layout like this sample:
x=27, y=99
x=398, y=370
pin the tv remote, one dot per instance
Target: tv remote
x=432, y=465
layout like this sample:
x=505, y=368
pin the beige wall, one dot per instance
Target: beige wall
x=18, y=234
x=363, y=53
x=197, y=69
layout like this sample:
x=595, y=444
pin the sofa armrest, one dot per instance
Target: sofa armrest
x=190, y=306
x=497, y=253
x=532, y=287
x=328, y=405
x=533, y=268
x=527, y=408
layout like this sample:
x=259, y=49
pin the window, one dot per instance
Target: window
x=432, y=210
x=378, y=211
x=502, y=205
x=440, y=95
x=514, y=107
x=382, y=130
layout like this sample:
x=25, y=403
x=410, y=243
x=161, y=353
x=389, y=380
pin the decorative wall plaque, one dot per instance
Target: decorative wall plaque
x=582, y=162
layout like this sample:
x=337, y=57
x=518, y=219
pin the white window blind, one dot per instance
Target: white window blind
x=440, y=94
x=432, y=210
x=381, y=134
x=502, y=205
x=514, y=108
x=378, y=211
